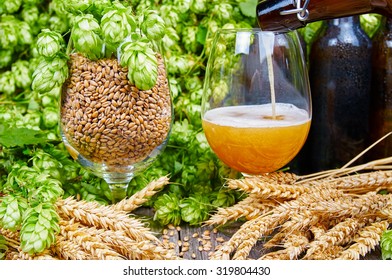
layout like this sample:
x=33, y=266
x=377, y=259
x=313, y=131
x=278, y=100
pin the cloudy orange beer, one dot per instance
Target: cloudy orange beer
x=249, y=139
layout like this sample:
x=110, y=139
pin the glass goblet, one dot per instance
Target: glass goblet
x=256, y=106
x=109, y=125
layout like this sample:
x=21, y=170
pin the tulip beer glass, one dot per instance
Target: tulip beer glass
x=256, y=108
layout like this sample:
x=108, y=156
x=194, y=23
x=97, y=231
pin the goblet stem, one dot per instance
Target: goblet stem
x=118, y=190
x=118, y=184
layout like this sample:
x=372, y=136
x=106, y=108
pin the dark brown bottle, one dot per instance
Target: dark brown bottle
x=284, y=15
x=340, y=76
x=381, y=97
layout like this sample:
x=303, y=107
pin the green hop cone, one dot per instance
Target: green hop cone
x=152, y=25
x=386, y=245
x=39, y=228
x=142, y=64
x=7, y=83
x=195, y=209
x=3, y=242
x=50, y=117
x=78, y=6
x=49, y=43
x=168, y=210
x=223, y=11
x=189, y=38
x=116, y=25
x=8, y=32
x=86, y=36
x=50, y=73
x=25, y=36
x=22, y=73
x=11, y=211
x=12, y=6
x=199, y=6
x=6, y=58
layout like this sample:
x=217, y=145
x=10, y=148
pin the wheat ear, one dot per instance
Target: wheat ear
x=92, y=244
x=100, y=216
x=365, y=241
x=142, y=196
x=266, y=190
x=250, y=207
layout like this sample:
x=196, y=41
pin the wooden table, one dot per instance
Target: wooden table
x=198, y=243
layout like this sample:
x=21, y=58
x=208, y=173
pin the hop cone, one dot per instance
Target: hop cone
x=21, y=71
x=168, y=210
x=199, y=6
x=39, y=228
x=49, y=43
x=25, y=36
x=116, y=25
x=386, y=245
x=11, y=6
x=7, y=83
x=77, y=6
x=11, y=211
x=195, y=209
x=189, y=38
x=49, y=74
x=152, y=25
x=8, y=32
x=142, y=64
x=223, y=11
x=86, y=36
x=5, y=58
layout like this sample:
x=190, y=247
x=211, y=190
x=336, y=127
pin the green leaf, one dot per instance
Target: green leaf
x=201, y=34
x=20, y=136
x=248, y=8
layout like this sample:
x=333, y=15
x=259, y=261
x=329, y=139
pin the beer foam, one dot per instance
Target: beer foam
x=257, y=115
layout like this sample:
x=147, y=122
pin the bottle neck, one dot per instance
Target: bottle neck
x=272, y=14
x=347, y=21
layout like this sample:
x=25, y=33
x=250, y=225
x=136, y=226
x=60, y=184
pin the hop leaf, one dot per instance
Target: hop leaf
x=39, y=228
x=49, y=43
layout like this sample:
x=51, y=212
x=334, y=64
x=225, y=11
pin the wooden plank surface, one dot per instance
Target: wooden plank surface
x=198, y=243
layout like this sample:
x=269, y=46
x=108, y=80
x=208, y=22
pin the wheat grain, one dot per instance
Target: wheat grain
x=141, y=196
